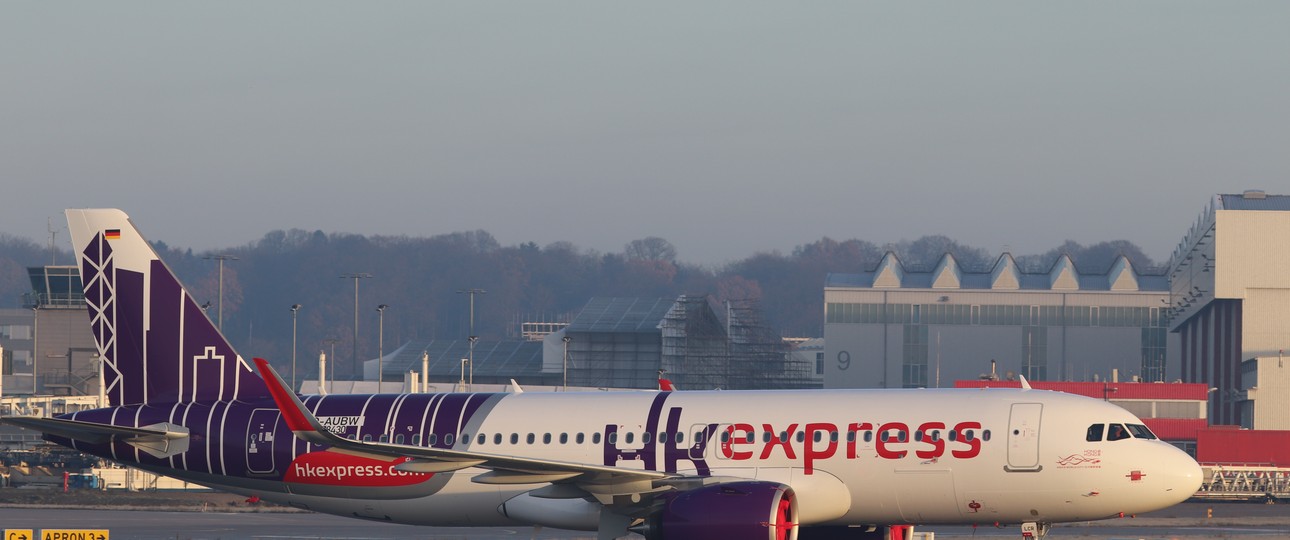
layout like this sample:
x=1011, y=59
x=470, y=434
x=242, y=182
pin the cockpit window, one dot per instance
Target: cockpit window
x=1095, y=433
x=1141, y=432
x=1117, y=432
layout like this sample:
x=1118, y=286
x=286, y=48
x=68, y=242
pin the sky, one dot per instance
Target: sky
x=727, y=128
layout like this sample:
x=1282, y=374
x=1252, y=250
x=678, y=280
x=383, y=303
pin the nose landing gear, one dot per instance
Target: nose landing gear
x=1031, y=530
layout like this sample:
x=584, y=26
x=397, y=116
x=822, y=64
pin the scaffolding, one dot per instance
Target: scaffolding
x=704, y=351
x=1246, y=483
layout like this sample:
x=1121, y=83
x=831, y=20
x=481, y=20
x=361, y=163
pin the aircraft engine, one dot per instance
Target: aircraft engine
x=737, y=510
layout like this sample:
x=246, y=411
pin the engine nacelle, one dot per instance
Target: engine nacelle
x=574, y=514
x=738, y=510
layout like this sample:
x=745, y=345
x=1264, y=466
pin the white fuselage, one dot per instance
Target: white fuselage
x=948, y=456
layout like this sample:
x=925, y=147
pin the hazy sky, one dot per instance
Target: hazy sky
x=727, y=128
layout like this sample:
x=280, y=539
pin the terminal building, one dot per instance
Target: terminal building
x=893, y=327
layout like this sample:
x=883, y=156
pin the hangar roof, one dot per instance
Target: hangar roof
x=1005, y=275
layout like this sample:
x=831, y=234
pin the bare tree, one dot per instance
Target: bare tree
x=651, y=248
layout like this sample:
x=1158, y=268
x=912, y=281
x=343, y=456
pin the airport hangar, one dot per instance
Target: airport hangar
x=893, y=327
x=1219, y=316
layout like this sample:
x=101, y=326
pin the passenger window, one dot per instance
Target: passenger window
x=680, y=437
x=434, y=439
x=645, y=437
x=398, y=439
x=385, y=438
x=801, y=436
x=883, y=436
x=900, y=436
x=546, y=438
x=497, y=438
x=367, y=438
x=564, y=438
x=725, y=436
x=968, y=435
x=416, y=440
x=631, y=437
x=952, y=435
x=1095, y=433
x=447, y=439
x=985, y=435
x=765, y=436
x=918, y=436
x=833, y=436
x=515, y=438
x=868, y=436
x=783, y=436
x=936, y=436
x=595, y=438
x=482, y=439
x=530, y=438
x=851, y=436
x=1117, y=432
x=579, y=438
x=613, y=438
x=749, y=437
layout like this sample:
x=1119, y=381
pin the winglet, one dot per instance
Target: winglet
x=1025, y=385
x=515, y=387
x=298, y=418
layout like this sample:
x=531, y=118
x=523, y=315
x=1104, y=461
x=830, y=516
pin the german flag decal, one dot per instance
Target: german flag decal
x=112, y=234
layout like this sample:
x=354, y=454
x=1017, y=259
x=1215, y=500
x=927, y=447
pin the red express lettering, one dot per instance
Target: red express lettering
x=853, y=437
x=891, y=440
x=812, y=453
x=737, y=435
x=938, y=444
x=785, y=441
x=974, y=445
x=900, y=435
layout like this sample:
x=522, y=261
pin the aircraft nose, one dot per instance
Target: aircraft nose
x=1182, y=474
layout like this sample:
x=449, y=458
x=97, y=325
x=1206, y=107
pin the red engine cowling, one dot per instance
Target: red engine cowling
x=737, y=510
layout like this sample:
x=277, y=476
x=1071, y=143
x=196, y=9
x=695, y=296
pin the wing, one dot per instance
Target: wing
x=600, y=481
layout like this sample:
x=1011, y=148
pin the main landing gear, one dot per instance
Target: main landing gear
x=1031, y=530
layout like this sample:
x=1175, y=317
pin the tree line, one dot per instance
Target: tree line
x=422, y=279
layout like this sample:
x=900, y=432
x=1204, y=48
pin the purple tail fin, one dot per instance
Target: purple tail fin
x=157, y=345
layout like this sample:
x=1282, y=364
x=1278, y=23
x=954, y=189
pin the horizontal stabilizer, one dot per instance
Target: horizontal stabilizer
x=159, y=440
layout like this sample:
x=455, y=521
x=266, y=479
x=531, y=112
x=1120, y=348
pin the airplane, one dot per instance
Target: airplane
x=667, y=465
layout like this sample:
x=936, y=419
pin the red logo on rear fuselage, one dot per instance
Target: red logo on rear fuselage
x=335, y=469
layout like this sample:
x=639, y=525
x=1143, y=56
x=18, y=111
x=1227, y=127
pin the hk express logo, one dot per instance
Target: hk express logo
x=737, y=442
x=334, y=469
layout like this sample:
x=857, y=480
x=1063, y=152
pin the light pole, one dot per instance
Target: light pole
x=220, y=301
x=472, y=338
x=462, y=383
x=294, y=309
x=35, y=344
x=331, y=376
x=358, y=374
x=566, y=340
x=380, y=345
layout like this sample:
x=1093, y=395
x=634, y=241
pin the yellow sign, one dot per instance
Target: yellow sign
x=18, y=534
x=72, y=534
